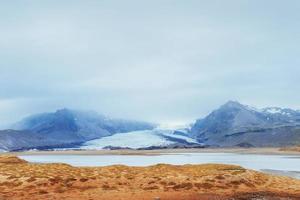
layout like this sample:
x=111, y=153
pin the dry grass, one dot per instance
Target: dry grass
x=291, y=149
x=22, y=180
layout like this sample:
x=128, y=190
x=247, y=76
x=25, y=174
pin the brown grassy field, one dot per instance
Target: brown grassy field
x=22, y=180
x=291, y=149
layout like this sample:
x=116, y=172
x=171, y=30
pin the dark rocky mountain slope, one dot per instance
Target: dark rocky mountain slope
x=234, y=124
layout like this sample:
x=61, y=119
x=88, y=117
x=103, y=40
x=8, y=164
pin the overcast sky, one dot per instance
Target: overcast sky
x=159, y=60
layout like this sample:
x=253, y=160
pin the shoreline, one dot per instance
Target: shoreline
x=261, y=151
x=162, y=152
x=21, y=180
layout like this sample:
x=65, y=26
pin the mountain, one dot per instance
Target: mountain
x=146, y=139
x=12, y=140
x=234, y=124
x=86, y=124
x=64, y=128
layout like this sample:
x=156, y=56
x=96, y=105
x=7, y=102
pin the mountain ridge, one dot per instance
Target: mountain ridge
x=234, y=123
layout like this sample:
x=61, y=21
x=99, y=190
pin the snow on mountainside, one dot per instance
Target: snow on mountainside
x=140, y=139
x=281, y=111
x=235, y=124
x=274, y=110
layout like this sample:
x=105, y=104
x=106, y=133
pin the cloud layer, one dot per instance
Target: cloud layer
x=162, y=61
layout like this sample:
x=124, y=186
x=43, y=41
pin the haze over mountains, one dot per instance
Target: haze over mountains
x=233, y=124
x=64, y=128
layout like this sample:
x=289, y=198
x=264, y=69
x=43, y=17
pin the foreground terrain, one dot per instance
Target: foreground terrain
x=22, y=180
x=291, y=149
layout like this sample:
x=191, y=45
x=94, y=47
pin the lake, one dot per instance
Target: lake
x=276, y=164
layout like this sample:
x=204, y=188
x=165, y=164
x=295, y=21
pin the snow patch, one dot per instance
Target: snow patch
x=276, y=110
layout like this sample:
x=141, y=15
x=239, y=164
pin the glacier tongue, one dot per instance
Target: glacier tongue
x=138, y=139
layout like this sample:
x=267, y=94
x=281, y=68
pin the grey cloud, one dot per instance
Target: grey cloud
x=162, y=61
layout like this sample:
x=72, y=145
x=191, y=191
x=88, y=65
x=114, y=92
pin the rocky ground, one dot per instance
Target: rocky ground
x=22, y=180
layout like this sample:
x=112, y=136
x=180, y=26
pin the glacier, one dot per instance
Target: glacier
x=139, y=139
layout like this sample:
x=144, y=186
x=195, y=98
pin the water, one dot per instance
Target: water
x=280, y=164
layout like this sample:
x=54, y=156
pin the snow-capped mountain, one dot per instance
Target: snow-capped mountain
x=234, y=124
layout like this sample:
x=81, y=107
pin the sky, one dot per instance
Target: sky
x=164, y=61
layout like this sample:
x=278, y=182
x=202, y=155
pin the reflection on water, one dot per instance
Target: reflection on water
x=269, y=163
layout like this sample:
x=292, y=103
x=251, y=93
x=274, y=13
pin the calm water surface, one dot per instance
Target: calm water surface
x=270, y=163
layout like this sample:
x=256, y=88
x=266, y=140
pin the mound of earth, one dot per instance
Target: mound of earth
x=7, y=159
x=293, y=148
x=23, y=180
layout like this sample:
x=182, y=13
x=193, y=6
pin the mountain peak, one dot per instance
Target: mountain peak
x=63, y=110
x=232, y=104
x=234, y=123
